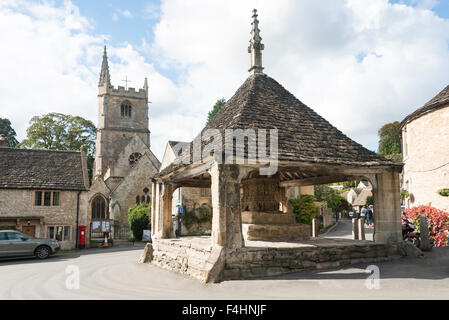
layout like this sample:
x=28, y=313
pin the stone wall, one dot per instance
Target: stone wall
x=426, y=156
x=185, y=257
x=253, y=262
x=20, y=203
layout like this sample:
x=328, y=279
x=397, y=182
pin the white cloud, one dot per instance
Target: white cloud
x=359, y=64
x=312, y=48
x=52, y=62
x=126, y=13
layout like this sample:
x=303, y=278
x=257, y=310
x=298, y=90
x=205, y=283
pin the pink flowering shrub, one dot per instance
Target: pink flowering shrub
x=438, y=221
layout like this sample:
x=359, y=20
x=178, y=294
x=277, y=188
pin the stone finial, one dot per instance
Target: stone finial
x=3, y=142
x=105, y=79
x=145, y=84
x=255, y=46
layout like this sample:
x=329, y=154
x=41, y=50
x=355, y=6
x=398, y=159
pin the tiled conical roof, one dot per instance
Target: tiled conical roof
x=303, y=135
x=262, y=103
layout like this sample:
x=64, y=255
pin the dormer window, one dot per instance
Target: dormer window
x=125, y=110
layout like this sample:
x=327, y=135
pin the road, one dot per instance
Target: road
x=344, y=230
x=116, y=275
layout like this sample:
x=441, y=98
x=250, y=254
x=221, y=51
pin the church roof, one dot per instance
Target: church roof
x=439, y=101
x=41, y=169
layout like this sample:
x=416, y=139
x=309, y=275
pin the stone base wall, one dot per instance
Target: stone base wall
x=181, y=256
x=261, y=262
x=276, y=232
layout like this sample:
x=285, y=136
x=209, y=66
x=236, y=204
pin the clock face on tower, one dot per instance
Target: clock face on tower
x=133, y=158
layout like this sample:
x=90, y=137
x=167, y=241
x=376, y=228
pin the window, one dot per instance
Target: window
x=38, y=198
x=2, y=236
x=145, y=198
x=125, y=110
x=14, y=236
x=66, y=233
x=47, y=198
x=205, y=192
x=56, y=198
x=51, y=232
x=59, y=233
x=99, y=209
x=133, y=158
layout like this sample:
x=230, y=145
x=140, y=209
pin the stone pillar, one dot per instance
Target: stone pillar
x=424, y=230
x=314, y=228
x=226, y=219
x=154, y=209
x=361, y=228
x=387, y=208
x=167, y=221
x=355, y=229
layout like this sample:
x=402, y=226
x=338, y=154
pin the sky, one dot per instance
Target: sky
x=358, y=63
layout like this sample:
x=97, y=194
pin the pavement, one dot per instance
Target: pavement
x=115, y=274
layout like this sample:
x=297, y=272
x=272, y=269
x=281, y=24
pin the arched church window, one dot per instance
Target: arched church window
x=125, y=110
x=133, y=158
x=99, y=209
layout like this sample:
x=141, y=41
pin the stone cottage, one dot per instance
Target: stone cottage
x=425, y=152
x=124, y=162
x=44, y=193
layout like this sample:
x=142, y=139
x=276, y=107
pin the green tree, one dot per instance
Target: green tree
x=57, y=131
x=139, y=219
x=390, y=139
x=304, y=208
x=369, y=201
x=7, y=130
x=220, y=103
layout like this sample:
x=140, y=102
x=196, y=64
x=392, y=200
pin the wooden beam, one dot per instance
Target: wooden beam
x=319, y=180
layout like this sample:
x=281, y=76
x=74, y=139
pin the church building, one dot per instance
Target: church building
x=124, y=162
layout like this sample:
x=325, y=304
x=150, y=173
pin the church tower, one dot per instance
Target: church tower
x=122, y=115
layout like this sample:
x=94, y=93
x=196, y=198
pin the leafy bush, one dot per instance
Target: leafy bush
x=139, y=219
x=443, y=192
x=369, y=201
x=404, y=194
x=437, y=220
x=304, y=208
x=196, y=215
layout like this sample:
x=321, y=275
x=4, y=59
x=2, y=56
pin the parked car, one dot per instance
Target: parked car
x=14, y=244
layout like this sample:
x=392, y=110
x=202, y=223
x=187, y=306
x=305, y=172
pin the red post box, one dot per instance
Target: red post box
x=82, y=237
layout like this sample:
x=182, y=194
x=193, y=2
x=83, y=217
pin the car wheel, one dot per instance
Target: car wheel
x=42, y=252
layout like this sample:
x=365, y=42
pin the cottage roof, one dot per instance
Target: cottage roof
x=41, y=169
x=439, y=101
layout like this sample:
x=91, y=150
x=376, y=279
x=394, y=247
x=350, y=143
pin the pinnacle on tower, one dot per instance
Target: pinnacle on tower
x=105, y=78
x=255, y=46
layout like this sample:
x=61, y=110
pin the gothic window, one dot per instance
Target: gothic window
x=133, y=158
x=99, y=209
x=145, y=198
x=125, y=110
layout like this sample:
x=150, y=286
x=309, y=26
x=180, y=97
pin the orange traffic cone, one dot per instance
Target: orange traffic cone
x=105, y=244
